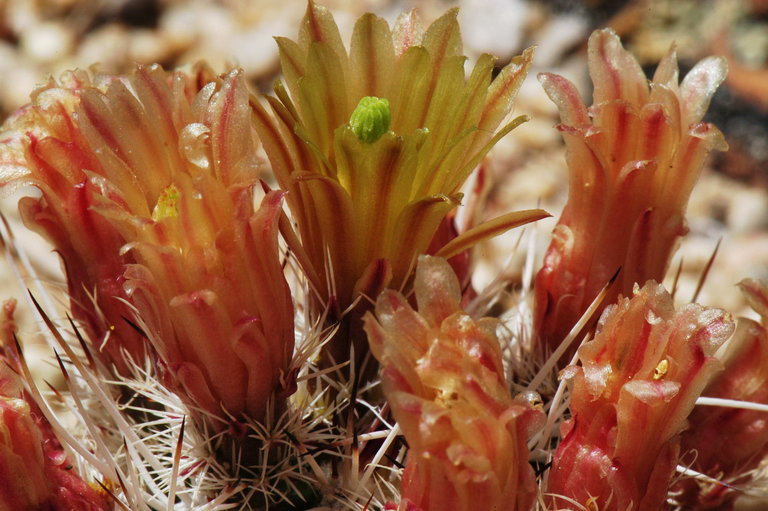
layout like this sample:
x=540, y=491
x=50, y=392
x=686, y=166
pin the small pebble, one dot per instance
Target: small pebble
x=47, y=42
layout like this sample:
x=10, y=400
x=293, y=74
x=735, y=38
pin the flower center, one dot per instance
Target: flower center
x=370, y=119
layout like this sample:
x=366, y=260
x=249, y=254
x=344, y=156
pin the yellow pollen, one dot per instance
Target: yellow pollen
x=167, y=206
x=661, y=369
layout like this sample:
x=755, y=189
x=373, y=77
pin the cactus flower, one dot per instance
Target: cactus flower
x=630, y=398
x=373, y=145
x=727, y=444
x=147, y=188
x=35, y=471
x=443, y=377
x=633, y=157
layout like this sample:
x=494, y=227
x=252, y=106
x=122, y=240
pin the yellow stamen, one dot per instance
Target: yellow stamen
x=167, y=206
x=661, y=369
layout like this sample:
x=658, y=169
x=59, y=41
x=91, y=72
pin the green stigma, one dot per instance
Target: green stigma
x=371, y=119
x=166, y=206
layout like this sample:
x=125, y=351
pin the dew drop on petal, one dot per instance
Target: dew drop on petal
x=194, y=143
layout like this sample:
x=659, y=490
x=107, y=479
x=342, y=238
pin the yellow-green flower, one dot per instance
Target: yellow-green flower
x=374, y=143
